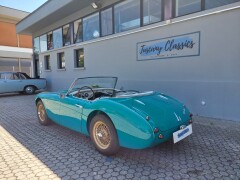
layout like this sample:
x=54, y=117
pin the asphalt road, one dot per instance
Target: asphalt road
x=31, y=151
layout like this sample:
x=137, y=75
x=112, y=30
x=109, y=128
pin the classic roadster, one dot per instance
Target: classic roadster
x=115, y=118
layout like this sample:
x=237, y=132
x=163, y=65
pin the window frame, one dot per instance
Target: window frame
x=174, y=4
x=99, y=20
x=100, y=17
x=61, y=29
x=140, y=16
x=60, y=61
x=71, y=28
x=74, y=40
x=47, y=64
x=39, y=48
x=45, y=34
x=76, y=64
x=52, y=46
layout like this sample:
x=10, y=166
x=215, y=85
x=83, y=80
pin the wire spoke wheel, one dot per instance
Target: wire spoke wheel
x=41, y=112
x=102, y=134
x=42, y=115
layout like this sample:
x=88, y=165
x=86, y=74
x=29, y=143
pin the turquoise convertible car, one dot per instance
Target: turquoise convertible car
x=114, y=118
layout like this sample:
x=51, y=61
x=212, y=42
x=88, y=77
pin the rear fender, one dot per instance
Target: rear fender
x=132, y=129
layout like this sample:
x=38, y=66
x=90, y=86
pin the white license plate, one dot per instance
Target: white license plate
x=182, y=133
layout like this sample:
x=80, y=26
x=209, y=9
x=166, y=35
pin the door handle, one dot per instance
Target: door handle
x=77, y=105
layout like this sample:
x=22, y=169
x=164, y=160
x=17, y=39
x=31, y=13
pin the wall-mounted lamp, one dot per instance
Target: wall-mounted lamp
x=96, y=5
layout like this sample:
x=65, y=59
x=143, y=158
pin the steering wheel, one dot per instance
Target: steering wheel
x=87, y=87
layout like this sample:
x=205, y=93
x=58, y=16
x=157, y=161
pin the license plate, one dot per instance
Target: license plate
x=182, y=133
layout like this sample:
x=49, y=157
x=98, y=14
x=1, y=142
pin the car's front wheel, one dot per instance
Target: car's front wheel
x=104, y=135
x=42, y=115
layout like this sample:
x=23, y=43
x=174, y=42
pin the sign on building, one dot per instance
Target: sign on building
x=171, y=47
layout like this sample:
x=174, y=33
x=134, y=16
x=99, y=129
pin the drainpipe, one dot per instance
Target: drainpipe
x=19, y=60
x=19, y=65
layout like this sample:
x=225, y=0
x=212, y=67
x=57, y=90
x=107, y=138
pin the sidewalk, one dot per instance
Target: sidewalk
x=31, y=151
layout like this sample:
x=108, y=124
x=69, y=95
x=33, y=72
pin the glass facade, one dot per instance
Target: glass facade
x=127, y=15
x=184, y=7
x=49, y=40
x=78, y=29
x=91, y=29
x=36, y=42
x=67, y=34
x=61, y=61
x=57, y=38
x=120, y=17
x=216, y=3
x=43, y=43
x=47, y=62
x=79, y=58
x=152, y=11
x=107, y=22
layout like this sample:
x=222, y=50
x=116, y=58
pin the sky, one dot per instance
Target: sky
x=24, y=5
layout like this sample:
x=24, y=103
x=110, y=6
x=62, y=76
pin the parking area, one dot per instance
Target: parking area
x=31, y=151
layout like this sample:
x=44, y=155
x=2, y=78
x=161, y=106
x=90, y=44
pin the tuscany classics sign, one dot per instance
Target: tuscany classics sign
x=172, y=47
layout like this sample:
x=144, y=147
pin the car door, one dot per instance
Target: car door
x=2, y=83
x=71, y=109
x=13, y=82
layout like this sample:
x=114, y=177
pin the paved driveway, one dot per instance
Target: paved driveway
x=31, y=151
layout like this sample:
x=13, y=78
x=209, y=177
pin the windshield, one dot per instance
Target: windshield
x=94, y=83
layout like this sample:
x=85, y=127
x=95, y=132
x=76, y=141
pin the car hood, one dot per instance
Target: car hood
x=163, y=112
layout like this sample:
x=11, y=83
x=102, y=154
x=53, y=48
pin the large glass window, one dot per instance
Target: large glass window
x=91, y=27
x=184, y=7
x=107, y=22
x=49, y=40
x=78, y=31
x=57, y=38
x=43, y=43
x=79, y=58
x=67, y=34
x=127, y=15
x=61, y=60
x=47, y=62
x=36, y=42
x=215, y=3
x=152, y=11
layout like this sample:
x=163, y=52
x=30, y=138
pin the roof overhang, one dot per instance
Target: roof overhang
x=51, y=11
x=11, y=15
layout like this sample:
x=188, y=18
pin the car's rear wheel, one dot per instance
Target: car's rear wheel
x=29, y=90
x=42, y=115
x=104, y=135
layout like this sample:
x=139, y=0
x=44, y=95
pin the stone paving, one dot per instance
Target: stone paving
x=31, y=151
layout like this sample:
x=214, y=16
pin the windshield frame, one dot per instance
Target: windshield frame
x=100, y=77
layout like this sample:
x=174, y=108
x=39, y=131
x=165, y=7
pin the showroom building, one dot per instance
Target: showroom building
x=188, y=49
x=15, y=49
